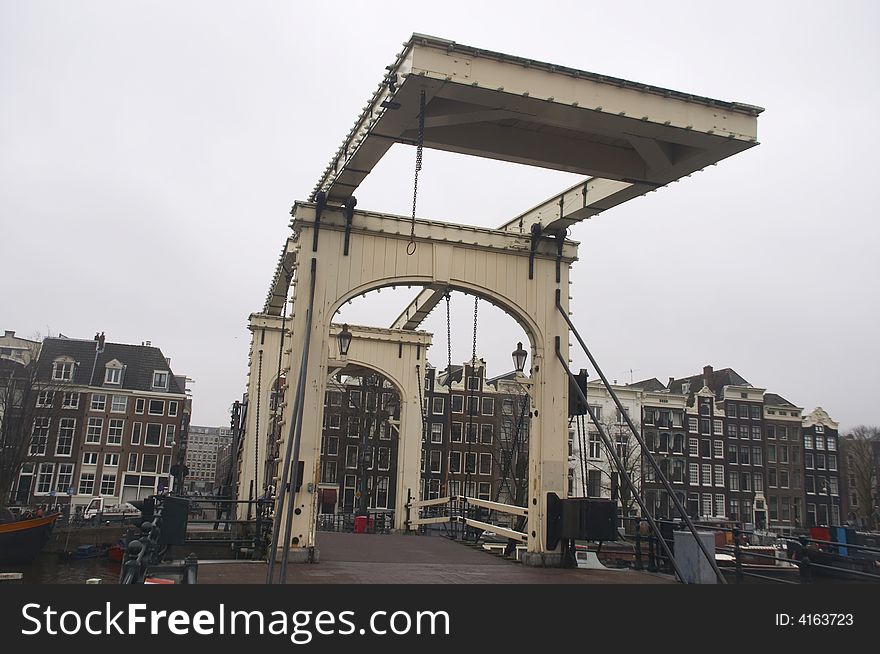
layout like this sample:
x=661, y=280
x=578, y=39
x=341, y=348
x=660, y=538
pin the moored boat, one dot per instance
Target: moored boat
x=22, y=540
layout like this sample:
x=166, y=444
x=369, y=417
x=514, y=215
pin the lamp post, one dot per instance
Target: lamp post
x=519, y=358
x=344, y=338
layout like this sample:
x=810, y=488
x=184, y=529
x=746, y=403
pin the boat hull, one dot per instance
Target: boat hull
x=24, y=539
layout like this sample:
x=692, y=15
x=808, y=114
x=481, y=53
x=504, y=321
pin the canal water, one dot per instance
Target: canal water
x=50, y=569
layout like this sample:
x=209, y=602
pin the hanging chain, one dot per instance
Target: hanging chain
x=476, y=305
x=448, y=345
x=411, y=247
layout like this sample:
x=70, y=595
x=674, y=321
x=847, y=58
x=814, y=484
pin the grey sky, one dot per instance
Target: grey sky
x=150, y=152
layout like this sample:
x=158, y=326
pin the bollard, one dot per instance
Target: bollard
x=93, y=580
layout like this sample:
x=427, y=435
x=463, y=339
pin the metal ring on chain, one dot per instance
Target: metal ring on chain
x=410, y=248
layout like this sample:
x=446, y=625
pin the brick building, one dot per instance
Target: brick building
x=109, y=426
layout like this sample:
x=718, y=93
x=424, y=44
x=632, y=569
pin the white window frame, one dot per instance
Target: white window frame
x=111, y=460
x=50, y=466
x=170, y=434
x=66, y=424
x=106, y=478
x=90, y=458
x=113, y=375
x=62, y=370
x=70, y=400
x=115, y=438
x=86, y=478
x=165, y=375
x=158, y=442
x=96, y=404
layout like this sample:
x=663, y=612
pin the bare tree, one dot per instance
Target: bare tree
x=862, y=445
x=629, y=453
x=21, y=386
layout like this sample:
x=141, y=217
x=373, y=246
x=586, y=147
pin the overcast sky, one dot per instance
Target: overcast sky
x=150, y=153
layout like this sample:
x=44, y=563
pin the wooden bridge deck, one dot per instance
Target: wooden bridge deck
x=407, y=559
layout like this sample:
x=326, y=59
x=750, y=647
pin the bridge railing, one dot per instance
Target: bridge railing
x=472, y=514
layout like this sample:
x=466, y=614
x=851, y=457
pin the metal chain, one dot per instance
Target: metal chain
x=470, y=408
x=411, y=247
x=448, y=345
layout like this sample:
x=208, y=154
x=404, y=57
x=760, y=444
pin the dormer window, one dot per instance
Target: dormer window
x=160, y=379
x=62, y=369
x=113, y=373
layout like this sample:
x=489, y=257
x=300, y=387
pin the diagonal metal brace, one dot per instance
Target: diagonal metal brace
x=536, y=238
x=320, y=203
x=348, y=209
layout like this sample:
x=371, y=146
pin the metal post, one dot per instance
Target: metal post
x=737, y=555
x=658, y=472
x=285, y=469
x=637, y=564
x=652, y=560
x=294, y=460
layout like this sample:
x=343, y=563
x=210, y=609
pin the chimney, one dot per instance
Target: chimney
x=707, y=373
x=101, y=342
x=669, y=385
x=168, y=361
x=10, y=333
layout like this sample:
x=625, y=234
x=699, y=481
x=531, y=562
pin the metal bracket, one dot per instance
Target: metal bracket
x=350, y=204
x=320, y=203
x=536, y=237
x=560, y=242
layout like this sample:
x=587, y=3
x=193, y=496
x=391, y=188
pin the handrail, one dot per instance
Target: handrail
x=495, y=506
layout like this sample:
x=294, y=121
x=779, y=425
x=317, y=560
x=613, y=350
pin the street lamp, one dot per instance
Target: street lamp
x=344, y=338
x=519, y=358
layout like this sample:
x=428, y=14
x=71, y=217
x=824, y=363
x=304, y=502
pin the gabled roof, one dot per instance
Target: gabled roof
x=139, y=360
x=653, y=384
x=717, y=380
x=772, y=399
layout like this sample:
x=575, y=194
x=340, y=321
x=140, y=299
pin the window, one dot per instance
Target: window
x=119, y=404
x=113, y=375
x=694, y=473
x=808, y=460
x=820, y=429
x=756, y=456
x=486, y=434
x=114, y=431
x=808, y=442
x=706, y=478
x=456, y=432
x=783, y=478
x=136, y=433
x=719, y=476
x=744, y=432
x=434, y=461
x=66, y=431
x=351, y=456
x=832, y=444
x=488, y=407
x=772, y=480
x=438, y=406
x=756, y=412
x=718, y=449
x=139, y=405
x=774, y=507
x=705, y=425
x=692, y=425
x=470, y=462
x=335, y=421
x=693, y=447
x=705, y=410
x=111, y=460
x=810, y=484
x=65, y=478
x=45, y=399
x=820, y=443
x=706, y=448
x=157, y=407
x=473, y=383
x=595, y=447
x=832, y=462
x=744, y=454
x=45, y=475
x=783, y=454
x=99, y=402
x=677, y=443
x=149, y=462
x=90, y=458
x=756, y=433
x=820, y=461
x=745, y=481
x=160, y=379
x=707, y=504
x=771, y=454
x=170, y=432
x=457, y=403
x=782, y=433
x=717, y=428
x=108, y=484
x=594, y=483
x=834, y=487
x=70, y=401
x=719, y=505
x=759, y=482
x=166, y=464
x=485, y=463
x=436, y=432
x=153, y=435
x=39, y=436
x=333, y=445
x=731, y=409
x=734, y=481
x=731, y=430
x=62, y=371
x=132, y=461
x=455, y=462
x=732, y=453
x=86, y=483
